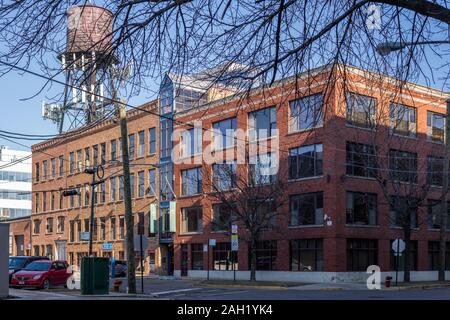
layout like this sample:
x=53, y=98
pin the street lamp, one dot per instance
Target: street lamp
x=390, y=46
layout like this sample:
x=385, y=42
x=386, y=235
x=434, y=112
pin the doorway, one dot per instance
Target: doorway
x=184, y=260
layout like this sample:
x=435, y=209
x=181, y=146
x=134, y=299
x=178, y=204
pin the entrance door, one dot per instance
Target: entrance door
x=170, y=260
x=184, y=260
x=19, y=240
x=61, y=250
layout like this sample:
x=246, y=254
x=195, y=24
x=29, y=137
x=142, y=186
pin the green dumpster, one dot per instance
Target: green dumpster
x=94, y=275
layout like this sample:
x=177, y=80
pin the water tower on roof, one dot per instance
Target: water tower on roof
x=87, y=63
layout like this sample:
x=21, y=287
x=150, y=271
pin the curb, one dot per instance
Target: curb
x=423, y=287
x=243, y=286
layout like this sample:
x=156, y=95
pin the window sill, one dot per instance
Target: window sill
x=404, y=136
x=304, y=226
x=306, y=178
x=400, y=228
x=353, y=126
x=361, y=225
x=437, y=230
x=187, y=196
x=360, y=177
x=293, y=132
x=189, y=233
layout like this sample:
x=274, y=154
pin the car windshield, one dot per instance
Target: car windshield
x=38, y=266
x=16, y=263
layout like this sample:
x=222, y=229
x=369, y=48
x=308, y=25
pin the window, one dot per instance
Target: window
x=113, y=228
x=95, y=230
x=71, y=231
x=186, y=99
x=361, y=253
x=61, y=224
x=44, y=169
x=49, y=226
x=306, y=209
x=166, y=99
x=152, y=140
x=360, y=110
x=266, y=255
x=224, y=176
x=44, y=201
x=262, y=124
x=121, y=227
x=191, y=220
x=112, y=189
x=87, y=157
x=103, y=154
x=222, y=216
x=407, y=210
x=113, y=146
x=53, y=167
x=403, y=120
x=61, y=166
x=71, y=201
x=166, y=181
x=433, y=255
x=131, y=146
x=435, y=126
x=37, y=226
x=403, y=166
x=87, y=189
x=191, y=181
x=165, y=220
x=141, y=143
x=103, y=228
x=263, y=169
x=306, y=255
x=79, y=187
x=36, y=171
x=71, y=162
x=61, y=201
x=102, y=193
x=52, y=201
x=141, y=183
x=223, y=257
x=79, y=161
x=197, y=256
x=401, y=259
x=434, y=214
x=132, y=185
x=121, y=188
x=361, y=208
x=306, y=112
x=95, y=155
x=166, y=138
x=224, y=133
x=191, y=142
x=361, y=160
x=305, y=161
x=152, y=182
x=435, y=169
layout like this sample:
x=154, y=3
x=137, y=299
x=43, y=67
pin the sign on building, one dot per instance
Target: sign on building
x=234, y=242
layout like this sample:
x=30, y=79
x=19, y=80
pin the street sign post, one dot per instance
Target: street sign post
x=234, y=247
x=212, y=243
x=398, y=246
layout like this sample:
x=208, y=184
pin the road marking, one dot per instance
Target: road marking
x=174, y=291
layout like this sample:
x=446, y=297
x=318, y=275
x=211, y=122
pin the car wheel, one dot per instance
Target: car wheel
x=46, y=284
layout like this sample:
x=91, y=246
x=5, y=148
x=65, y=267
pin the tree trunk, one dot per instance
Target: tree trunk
x=252, y=260
x=407, y=265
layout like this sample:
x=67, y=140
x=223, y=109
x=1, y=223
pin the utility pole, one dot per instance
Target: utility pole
x=444, y=205
x=127, y=200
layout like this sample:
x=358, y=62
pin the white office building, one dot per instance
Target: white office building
x=15, y=183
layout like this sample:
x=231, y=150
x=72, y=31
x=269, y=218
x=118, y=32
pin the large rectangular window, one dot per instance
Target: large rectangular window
x=433, y=255
x=191, y=181
x=434, y=214
x=121, y=188
x=262, y=124
x=361, y=253
x=112, y=189
x=266, y=255
x=53, y=167
x=403, y=120
x=131, y=146
x=435, y=171
x=79, y=161
x=113, y=146
x=61, y=165
x=223, y=257
x=360, y=110
x=224, y=176
x=305, y=161
x=103, y=154
x=71, y=162
x=306, y=255
x=113, y=232
x=306, y=209
x=87, y=157
x=44, y=169
x=361, y=208
x=191, y=142
x=36, y=171
x=222, y=216
x=398, y=212
x=403, y=166
x=95, y=155
x=263, y=168
x=361, y=160
x=152, y=140
x=166, y=138
x=224, y=133
x=401, y=259
x=152, y=182
x=165, y=180
x=435, y=126
x=132, y=185
x=191, y=220
x=141, y=183
x=306, y=112
x=141, y=143
x=197, y=256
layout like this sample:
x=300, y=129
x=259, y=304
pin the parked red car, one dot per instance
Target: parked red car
x=41, y=274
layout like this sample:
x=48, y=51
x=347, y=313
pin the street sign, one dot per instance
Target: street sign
x=107, y=246
x=234, y=242
x=205, y=248
x=212, y=242
x=398, y=245
x=234, y=228
x=84, y=236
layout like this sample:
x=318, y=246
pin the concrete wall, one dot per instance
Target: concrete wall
x=4, y=245
x=309, y=277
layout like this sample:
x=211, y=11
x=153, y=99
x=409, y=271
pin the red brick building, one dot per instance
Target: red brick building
x=334, y=219
x=58, y=221
x=20, y=236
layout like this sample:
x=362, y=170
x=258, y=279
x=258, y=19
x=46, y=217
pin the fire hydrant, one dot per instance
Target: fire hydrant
x=117, y=284
x=387, y=281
